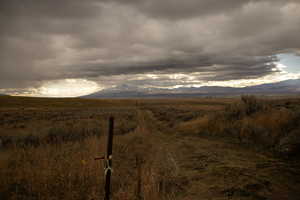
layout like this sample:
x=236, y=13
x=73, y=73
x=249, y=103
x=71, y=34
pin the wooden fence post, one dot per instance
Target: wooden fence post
x=138, y=191
x=108, y=159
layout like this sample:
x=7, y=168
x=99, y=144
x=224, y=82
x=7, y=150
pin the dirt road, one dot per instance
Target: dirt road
x=216, y=169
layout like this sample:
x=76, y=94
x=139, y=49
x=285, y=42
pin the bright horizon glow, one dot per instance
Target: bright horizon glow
x=81, y=87
x=282, y=75
x=273, y=78
x=64, y=88
x=68, y=88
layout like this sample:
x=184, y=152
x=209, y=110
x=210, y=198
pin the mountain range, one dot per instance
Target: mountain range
x=132, y=91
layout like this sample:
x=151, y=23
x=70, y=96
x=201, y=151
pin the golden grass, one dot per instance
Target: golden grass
x=255, y=122
x=65, y=168
x=53, y=142
x=194, y=126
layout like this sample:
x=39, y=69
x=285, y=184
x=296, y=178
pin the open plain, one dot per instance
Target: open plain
x=202, y=148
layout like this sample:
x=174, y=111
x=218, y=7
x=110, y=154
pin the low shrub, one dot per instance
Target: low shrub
x=252, y=104
x=254, y=122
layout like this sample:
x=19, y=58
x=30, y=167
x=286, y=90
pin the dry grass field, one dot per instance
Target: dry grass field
x=206, y=148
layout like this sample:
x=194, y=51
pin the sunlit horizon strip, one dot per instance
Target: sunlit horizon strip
x=81, y=87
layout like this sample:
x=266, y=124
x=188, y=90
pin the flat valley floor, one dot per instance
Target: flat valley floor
x=206, y=148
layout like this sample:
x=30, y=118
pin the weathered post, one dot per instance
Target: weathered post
x=138, y=161
x=108, y=159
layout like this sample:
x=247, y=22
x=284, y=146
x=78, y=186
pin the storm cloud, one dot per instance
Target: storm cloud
x=44, y=40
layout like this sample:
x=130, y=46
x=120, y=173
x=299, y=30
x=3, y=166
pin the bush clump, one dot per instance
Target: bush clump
x=258, y=123
x=252, y=104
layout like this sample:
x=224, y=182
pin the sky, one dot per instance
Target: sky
x=68, y=48
x=292, y=62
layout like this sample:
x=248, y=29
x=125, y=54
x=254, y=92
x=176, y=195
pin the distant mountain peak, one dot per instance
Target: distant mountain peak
x=133, y=91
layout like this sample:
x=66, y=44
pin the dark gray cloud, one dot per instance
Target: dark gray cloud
x=43, y=40
x=252, y=67
x=178, y=9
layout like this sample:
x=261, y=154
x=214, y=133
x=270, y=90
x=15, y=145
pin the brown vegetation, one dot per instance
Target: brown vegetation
x=161, y=148
x=259, y=123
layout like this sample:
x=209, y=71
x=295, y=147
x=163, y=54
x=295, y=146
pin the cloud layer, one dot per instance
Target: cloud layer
x=218, y=40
